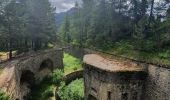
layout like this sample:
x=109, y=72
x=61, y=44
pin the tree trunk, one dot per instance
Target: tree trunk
x=151, y=12
x=10, y=48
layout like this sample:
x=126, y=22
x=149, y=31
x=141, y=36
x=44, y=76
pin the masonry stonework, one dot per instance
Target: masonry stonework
x=157, y=85
x=107, y=79
x=19, y=74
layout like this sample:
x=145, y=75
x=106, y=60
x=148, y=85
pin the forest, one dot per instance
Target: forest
x=26, y=25
x=137, y=29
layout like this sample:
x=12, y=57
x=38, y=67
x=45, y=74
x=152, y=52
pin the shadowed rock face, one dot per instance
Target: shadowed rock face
x=20, y=74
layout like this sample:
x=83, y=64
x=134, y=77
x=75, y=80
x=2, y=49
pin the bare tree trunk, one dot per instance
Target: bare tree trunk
x=10, y=41
x=151, y=12
x=10, y=47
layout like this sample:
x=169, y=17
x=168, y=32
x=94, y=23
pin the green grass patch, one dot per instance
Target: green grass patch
x=4, y=55
x=71, y=63
x=142, y=52
x=50, y=45
x=73, y=91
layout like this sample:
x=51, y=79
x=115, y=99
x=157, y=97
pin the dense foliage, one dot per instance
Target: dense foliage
x=137, y=29
x=26, y=24
x=101, y=23
x=57, y=77
x=45, y=89
x=74, y=91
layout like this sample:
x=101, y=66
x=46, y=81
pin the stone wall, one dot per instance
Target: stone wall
x=106, y=81
x=73, y=76
x=74, y=51
x=16, y=83
x=157, y=85
x=105, y=85
x=112, y=86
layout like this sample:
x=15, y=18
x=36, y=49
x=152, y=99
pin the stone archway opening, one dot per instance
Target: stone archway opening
x=46, y=64
x=26, y=81
x=91, y=97
x=45, y=68
x=27, y=77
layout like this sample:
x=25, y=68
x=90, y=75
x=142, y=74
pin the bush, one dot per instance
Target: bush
x=57, y=77
x=74, y=91
x=48, y=93
x=44, y=90
x=3, y=96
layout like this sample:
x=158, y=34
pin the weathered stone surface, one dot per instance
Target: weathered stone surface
x=112, y=80
x=35, y=66
x=73, y=76
x=107, y=79
x=157, y=85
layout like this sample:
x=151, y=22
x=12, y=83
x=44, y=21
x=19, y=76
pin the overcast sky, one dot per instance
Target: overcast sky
x=63, y=5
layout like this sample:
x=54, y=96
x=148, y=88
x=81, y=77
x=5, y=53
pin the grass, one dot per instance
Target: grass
x=4, y=55
x=71, y=63
x=127, y=49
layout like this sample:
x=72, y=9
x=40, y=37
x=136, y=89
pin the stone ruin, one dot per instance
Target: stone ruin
x=113, y=79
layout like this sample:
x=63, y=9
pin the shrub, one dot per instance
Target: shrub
x=48, y=93
x=57, y=77
x=74, y=91
x=3, y=96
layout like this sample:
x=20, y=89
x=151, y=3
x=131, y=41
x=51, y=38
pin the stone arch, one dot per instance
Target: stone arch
x=48, y=63
x=91, y=97
x=27, y=80
x=124, y=96
x=27, y=77
x=46, y=67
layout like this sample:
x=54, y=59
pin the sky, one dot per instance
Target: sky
x=63, y=5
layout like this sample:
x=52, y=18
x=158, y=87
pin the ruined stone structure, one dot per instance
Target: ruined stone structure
x=112, y=79
x=157, y=84
x=19, y=74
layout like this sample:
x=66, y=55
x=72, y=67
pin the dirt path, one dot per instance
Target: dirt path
x=6, y=74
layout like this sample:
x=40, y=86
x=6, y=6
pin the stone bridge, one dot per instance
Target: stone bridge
x=19, y=74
